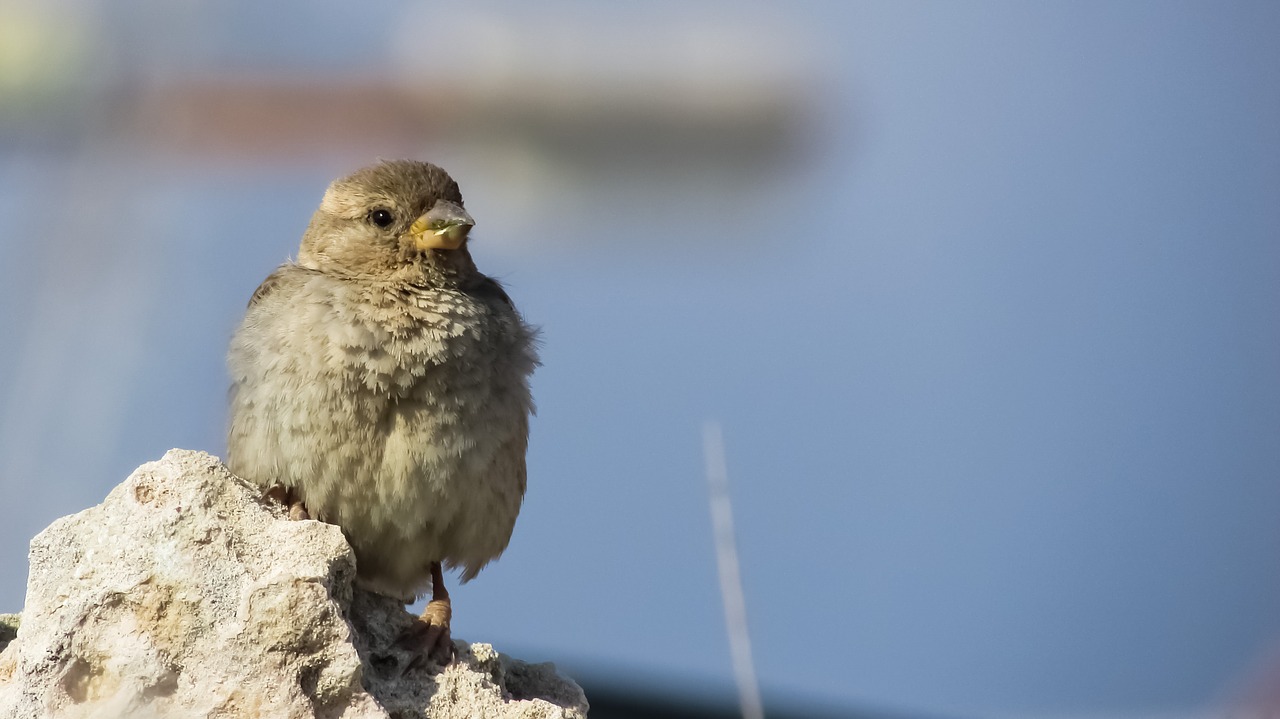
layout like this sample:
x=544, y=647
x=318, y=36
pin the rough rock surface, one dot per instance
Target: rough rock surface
x=185, y=595
x=8, y=629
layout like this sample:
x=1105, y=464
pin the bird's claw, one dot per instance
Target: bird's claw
x=430, y=634
x=278, y=494
x=282, y=495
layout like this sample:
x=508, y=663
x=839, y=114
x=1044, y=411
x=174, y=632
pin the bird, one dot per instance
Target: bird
x=381, y=382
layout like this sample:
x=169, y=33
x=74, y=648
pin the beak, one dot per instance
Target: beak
x=444, y=227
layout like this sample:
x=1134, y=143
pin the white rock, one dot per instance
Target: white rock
x=185, y=595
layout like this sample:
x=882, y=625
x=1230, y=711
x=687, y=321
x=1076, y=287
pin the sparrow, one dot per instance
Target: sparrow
x=380, y=382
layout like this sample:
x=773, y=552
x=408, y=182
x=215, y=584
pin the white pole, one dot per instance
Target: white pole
x=735, y=605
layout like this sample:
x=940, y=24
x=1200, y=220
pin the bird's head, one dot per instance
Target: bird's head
x=395, y=219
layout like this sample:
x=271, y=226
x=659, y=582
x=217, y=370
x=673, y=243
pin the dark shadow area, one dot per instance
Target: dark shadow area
x=613, y=700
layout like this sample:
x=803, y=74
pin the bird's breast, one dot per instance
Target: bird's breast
x=402, y=418
x=426, y=344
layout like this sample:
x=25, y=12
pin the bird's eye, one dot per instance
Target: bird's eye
x=382, y=218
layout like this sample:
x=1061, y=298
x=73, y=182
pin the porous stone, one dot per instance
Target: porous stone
x=8, y=628
x=185, y=594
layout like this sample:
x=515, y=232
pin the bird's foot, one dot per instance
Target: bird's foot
x=430, y=634
x=278, y=494
x=285, y=496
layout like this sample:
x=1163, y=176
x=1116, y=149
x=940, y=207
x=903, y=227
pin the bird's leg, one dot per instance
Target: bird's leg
x=431, y=632
x=437, y=615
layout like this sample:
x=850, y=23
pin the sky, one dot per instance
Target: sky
x=994, y=347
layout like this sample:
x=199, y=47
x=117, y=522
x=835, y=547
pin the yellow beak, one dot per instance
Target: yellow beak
x=444, y=227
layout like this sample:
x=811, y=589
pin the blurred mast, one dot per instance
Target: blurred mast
x=735, y=603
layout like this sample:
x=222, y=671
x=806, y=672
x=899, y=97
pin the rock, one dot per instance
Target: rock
x=8, y=629
x=186, y=595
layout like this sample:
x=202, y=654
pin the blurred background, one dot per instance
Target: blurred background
x=985, y=296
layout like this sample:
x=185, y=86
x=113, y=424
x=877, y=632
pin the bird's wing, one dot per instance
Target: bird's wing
x=269, y=284
x=487, y=287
